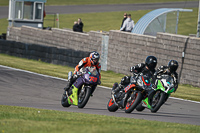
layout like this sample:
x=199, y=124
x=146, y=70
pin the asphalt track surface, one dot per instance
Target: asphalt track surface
x=21, y=88
x=73, y=9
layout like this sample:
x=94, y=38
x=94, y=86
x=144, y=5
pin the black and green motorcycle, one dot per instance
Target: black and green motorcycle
x=159, y=95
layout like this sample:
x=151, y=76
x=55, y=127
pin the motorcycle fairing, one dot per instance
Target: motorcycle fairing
x=73, y=98
x=160, y=86
x=129, y=87
x=91, y=79
x=79, y=82
x=146, y=103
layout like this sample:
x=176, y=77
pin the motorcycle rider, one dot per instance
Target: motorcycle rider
x=147, y=68
x=91, y=61
x=170, y=69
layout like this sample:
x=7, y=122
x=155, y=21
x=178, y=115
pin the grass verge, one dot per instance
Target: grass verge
x=107, y=21
x=112, y=20
x=95, y=2
x=20, y=119
x=108, y=77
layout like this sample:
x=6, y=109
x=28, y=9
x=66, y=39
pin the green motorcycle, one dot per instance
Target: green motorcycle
x=158, y=96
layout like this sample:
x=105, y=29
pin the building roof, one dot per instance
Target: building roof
x=144, y=22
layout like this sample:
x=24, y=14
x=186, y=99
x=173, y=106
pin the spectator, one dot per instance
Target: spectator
x=80, y=25
x=75, y=27
x=125, y=17
x=128, y=24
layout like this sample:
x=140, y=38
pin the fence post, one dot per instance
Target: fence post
x=57, y=19
x=104, y=52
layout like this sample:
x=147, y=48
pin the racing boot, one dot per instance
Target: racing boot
x=115, y=85
x=69, y=84
x=116, y=88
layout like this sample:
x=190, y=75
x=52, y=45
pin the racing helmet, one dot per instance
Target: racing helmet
x=94, y=58
x=151, y=62
x=172, y=65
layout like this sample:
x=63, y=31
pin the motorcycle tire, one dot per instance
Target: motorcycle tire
x=130, y=106
x=140, y=107
x=111, y=106
x=81, y=104
x=161, y=101
x=64, y=100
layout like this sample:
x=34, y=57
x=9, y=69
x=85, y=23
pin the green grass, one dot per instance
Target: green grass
x=87, y=2
x=108, y=77
x=4, y=25
x=187, y=92
x=111, y=21
x=20, y=119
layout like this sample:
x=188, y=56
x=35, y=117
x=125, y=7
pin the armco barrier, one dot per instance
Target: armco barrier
x=124, y=49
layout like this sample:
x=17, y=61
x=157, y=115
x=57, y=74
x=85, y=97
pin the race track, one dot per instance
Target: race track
x=20, y=88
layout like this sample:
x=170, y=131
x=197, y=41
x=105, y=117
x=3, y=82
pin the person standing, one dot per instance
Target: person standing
x=125, y=17
x=75, y=26
x=128, y=24
x=80, y=25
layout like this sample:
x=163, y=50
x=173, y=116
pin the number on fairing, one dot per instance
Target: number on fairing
x=94, y=79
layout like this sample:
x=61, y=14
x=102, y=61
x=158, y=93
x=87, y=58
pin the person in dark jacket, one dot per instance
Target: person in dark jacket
x=80, y=25
x=128, y=24
x=125, y=17
x=170, y=69
x=147, y=68
x=75, y=26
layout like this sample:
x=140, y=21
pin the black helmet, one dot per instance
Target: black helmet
x=94, y=57
x=151, y=62
x=172, y=65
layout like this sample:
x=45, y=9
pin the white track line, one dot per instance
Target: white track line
x=66, y=80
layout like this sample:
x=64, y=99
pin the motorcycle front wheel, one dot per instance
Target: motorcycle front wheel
x=84, y=96
x=157, y=100
x=135, y=100
x=140, y=107
x=111, y=106
x=64, y=100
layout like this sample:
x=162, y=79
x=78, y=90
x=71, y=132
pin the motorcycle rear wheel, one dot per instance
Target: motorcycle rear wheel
x=130, y=106
x=111, y=106
x=64, y=100
x=83, y=97
x=156, y=104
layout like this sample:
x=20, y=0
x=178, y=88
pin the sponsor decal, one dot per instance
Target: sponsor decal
x=71, y=100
